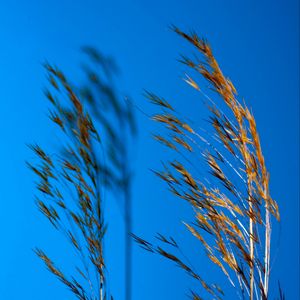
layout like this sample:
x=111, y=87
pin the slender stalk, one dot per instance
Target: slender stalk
x=267, y=250
x=245, y=154
x=128, y=244
x=251, y=252
x=101, y=287
x=251, y=232
x=128, y=226
x=125, y=169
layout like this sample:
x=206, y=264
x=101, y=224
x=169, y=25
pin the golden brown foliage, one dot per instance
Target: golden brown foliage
x=232, y=210
x=72, y=181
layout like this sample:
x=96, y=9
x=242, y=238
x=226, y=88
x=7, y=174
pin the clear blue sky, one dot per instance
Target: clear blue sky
x=257, y=44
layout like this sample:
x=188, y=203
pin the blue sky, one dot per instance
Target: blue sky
x=257, y=45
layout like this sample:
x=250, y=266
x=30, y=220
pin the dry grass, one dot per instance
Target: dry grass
x=232, y=209
x=73, y=181
x=72, y=192
x=232, y=206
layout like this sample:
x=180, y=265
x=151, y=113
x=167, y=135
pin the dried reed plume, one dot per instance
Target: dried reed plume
x=233, y=209
x=72, y=181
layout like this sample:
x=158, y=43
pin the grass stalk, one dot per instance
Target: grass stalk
x=235, y=197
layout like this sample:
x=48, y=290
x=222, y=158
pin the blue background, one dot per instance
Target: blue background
x=257, y=45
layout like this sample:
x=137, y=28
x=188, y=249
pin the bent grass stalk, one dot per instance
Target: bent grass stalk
x=232, y=209
x=72, y=181
x=69, y=184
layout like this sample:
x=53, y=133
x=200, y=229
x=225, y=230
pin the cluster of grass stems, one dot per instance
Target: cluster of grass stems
x=232, y=206
x=74, y=180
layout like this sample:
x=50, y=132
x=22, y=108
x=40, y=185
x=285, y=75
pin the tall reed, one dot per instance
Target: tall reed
x=73, y=180
x=232, y=205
